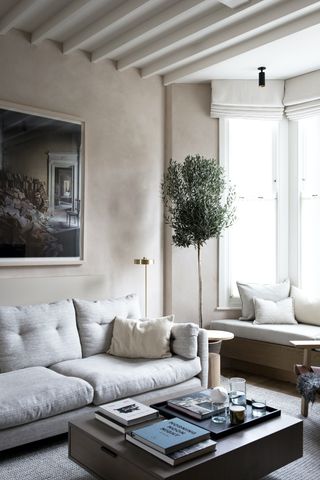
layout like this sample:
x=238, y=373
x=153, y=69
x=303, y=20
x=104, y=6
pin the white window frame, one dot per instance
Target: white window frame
x=280, y=142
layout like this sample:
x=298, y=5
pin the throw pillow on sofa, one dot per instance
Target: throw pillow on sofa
x=249, y=291
x=141, y=338
x=306, y=309
x=269, y=312
x=184, y=340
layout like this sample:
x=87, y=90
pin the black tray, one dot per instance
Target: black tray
x=218, y=430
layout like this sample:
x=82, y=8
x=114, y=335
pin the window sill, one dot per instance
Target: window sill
x=227, y=309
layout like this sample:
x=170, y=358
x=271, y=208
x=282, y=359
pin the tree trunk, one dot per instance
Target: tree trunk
x=200, y=285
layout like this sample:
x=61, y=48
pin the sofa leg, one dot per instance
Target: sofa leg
x=304, y=407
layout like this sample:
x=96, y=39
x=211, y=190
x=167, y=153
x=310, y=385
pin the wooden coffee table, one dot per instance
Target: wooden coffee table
x=246, y=455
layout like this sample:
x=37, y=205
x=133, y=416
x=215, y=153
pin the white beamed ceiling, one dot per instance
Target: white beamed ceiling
x=182, y=40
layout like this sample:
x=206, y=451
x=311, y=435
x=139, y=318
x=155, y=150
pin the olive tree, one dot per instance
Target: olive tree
x=198, y=204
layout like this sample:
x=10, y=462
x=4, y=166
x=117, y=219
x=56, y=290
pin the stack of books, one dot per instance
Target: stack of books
x=123, y=415
x=174, y=440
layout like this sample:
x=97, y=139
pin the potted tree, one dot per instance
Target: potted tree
x=199, y=204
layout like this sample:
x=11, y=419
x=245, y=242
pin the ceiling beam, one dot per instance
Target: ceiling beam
x=61, y=19
x=151, y=25
x=233, y=3
x=101, y=26
x=266, y=20
x=243, y=47
x=207, y=22
x=14, y=15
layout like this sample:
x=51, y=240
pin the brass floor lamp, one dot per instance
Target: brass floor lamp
x=145, y=261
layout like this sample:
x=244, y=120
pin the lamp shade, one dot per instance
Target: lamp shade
x=143, y=261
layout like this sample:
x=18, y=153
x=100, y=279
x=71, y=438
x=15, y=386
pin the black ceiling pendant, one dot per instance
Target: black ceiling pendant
x=262, y=77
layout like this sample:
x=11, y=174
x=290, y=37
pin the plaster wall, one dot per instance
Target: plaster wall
x=124, y=156
x=190, y=130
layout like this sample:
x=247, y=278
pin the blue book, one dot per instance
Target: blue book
x=170, y=435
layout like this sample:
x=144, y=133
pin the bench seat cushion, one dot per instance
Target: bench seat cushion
x=117, y=377
x=279, y=334
x=34, y=393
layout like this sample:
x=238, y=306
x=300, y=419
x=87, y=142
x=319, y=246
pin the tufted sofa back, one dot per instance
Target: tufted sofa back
x=95, y=320
x=38, y=335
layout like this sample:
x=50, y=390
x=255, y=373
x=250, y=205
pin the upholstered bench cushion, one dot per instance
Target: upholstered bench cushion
x=38, y=335
x=33, y=393
x=116, y=377
x=279, y=334
x=95, y=320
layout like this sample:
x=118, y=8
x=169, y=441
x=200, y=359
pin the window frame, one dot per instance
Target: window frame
x=280, y=150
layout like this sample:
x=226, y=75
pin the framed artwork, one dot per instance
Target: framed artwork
x=41, y=187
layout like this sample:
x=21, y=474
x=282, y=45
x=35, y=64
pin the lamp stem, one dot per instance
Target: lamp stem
x=146, y=290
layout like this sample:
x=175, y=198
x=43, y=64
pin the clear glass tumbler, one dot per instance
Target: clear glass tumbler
x=237, y=393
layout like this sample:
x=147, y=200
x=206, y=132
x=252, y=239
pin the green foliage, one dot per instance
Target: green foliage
x=198, y=201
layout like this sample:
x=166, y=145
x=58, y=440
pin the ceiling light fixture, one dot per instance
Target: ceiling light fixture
x=262, y=77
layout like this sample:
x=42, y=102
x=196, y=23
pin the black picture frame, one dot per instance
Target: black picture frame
x=41, y=187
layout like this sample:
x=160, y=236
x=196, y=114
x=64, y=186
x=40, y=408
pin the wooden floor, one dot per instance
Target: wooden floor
x=264, y=382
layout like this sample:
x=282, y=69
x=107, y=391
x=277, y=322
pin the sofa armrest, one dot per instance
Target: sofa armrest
x=204, y=356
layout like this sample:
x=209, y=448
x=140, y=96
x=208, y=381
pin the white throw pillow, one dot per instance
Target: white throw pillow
x=147, y=338
x=249, y=291
x=306, y=309
x=267, y=311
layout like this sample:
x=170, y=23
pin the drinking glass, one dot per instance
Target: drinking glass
x=258, y=406
x=237, y=393
x=219, y=404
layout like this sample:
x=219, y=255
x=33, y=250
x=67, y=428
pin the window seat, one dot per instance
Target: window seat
x=265, y=349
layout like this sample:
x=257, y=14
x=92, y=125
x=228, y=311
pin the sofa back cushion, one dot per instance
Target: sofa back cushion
x=38, y=335
x=95, y=320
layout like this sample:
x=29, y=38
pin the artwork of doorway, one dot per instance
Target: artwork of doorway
x=41, y=198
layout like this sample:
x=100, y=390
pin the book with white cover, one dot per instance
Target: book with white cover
x=128, y=411
x=118, y=426
x=179, y=456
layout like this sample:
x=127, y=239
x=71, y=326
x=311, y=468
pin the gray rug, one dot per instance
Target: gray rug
x=49, y=460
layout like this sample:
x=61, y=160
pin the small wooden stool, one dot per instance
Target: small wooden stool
x=306, y=368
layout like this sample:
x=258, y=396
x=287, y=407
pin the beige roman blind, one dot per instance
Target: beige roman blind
x=245, y=99
x=302, y=96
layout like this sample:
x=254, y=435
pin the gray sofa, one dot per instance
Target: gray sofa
x=53, y=365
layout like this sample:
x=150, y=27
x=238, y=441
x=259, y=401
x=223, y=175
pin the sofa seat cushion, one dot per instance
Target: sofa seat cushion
x=117, y=377
x=34, y=393
x=279, y=334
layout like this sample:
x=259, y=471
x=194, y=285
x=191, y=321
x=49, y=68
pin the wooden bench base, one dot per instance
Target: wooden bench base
x=264, y=358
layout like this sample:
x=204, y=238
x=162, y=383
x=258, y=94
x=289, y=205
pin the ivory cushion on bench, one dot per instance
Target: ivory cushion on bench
x=33, y=393
x=279, y=334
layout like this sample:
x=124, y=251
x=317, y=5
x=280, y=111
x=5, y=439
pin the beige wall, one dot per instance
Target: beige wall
x=190, y=130
x=124, y=118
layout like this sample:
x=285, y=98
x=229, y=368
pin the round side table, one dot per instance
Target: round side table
x=215, y=338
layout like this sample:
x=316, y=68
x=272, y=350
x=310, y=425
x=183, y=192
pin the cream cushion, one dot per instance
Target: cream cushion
x=267, y=311
x=306, y=309
x=249, y=291
x=141, y=338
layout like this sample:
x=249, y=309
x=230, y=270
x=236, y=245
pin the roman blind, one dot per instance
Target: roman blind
x=302, y=96
x=244, y=99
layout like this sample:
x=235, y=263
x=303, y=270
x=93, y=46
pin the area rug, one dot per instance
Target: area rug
x=49, y=460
